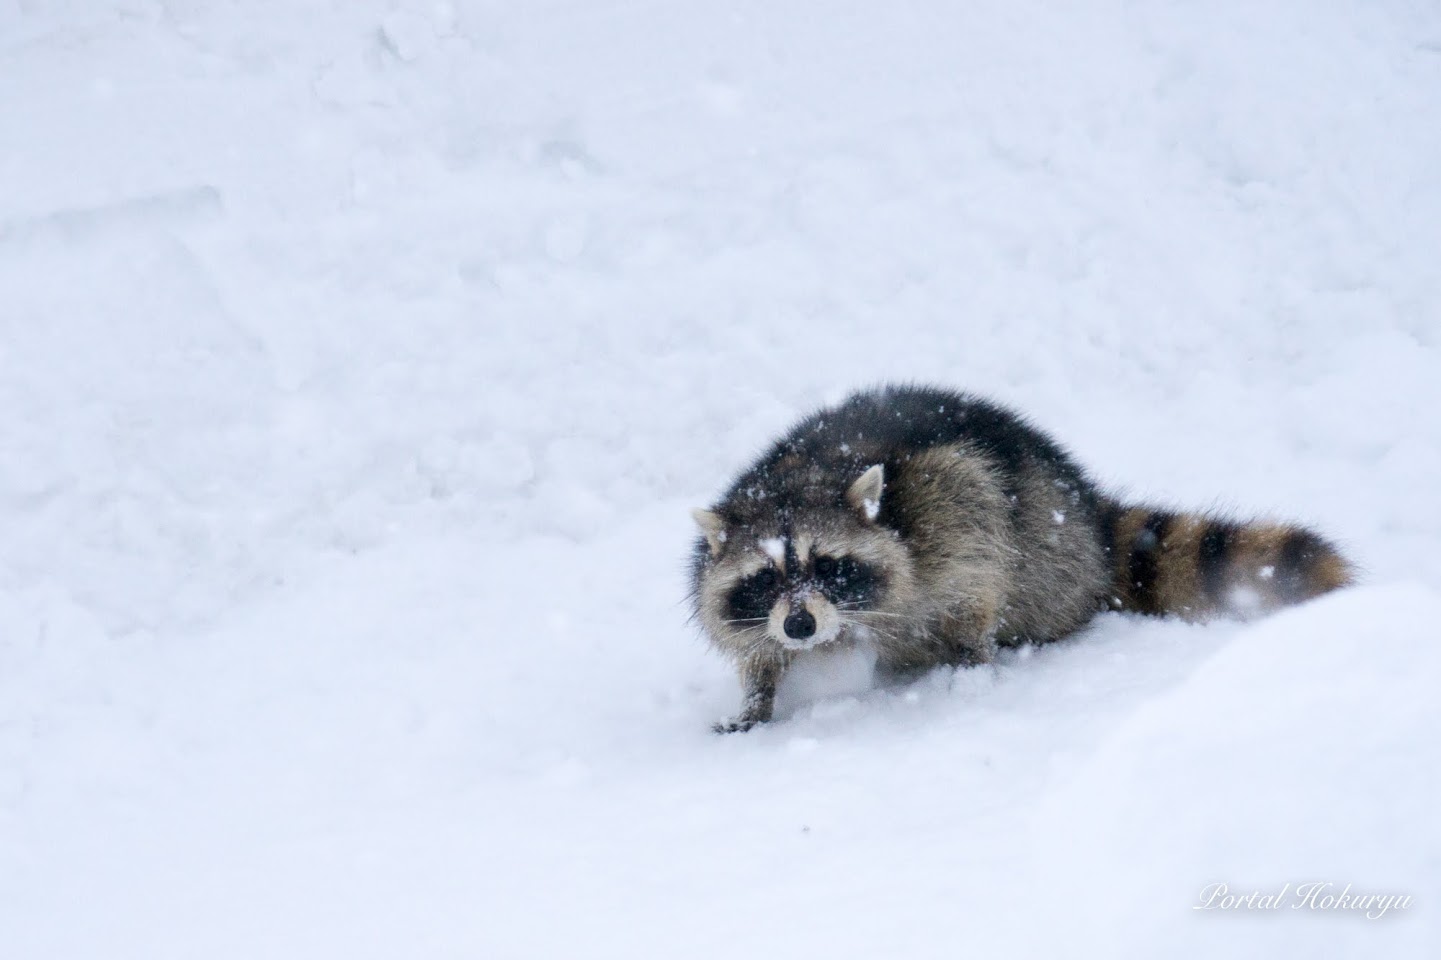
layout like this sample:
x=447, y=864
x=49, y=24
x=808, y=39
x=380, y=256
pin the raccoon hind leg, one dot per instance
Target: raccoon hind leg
x=962, y=635
x=970, y=632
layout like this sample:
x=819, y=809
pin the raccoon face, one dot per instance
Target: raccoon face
x=803, y=582
x=802, y=597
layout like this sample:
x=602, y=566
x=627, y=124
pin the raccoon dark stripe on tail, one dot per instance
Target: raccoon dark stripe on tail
x=1198, y=567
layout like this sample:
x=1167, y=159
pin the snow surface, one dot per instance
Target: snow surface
x=361, y=359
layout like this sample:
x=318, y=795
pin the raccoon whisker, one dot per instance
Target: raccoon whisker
x=856, y=611
x=878, y=613
x=748, y=620
x=877, y=634
x=756, y=646
x=890, y=630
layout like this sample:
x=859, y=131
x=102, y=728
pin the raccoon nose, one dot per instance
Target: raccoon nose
x=800, y=624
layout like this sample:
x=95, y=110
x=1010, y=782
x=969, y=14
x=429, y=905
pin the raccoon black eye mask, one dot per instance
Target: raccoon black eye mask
x=843, y=581
x=936, y=526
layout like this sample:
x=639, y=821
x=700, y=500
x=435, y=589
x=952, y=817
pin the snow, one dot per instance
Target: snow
x=773, y=547
x=829, y=677
x=362, y=360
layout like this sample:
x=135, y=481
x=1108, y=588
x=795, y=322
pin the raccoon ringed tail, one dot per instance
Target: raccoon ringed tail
x=1198, y=567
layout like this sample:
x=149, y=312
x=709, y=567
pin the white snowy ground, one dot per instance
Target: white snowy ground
x=359, y=361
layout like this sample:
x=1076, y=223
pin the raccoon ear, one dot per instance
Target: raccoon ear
x=865, y=493
x=713, y=526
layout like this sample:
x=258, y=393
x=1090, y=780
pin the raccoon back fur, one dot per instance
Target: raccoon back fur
x=935, y=525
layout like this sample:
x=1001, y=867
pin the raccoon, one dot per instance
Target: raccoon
x=936, y=526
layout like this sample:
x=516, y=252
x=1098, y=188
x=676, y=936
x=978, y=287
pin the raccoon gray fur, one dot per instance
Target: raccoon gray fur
x=935, y=526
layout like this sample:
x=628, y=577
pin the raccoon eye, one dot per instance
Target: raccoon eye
x=848, y=580
x=765, y=579
x=754, y=596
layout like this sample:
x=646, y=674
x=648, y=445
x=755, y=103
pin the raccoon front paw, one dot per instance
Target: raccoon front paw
x=735, y=725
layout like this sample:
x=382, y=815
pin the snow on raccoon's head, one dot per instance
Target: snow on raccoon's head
x=800, y=577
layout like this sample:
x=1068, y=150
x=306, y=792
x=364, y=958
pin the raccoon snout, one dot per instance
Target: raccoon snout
x=800, y=624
